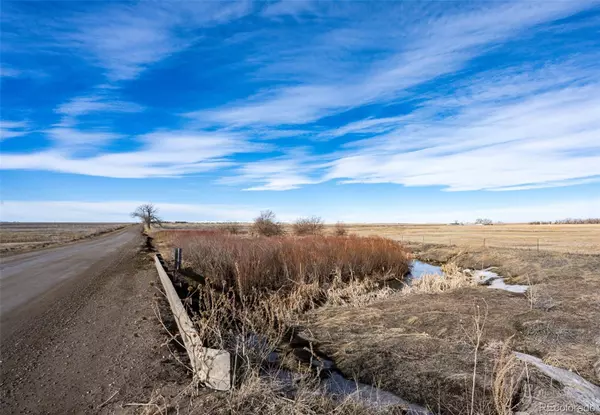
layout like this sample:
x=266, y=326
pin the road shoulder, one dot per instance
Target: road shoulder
x=98, y=351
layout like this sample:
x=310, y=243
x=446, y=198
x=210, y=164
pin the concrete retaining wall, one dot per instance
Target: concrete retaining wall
x=212, y=367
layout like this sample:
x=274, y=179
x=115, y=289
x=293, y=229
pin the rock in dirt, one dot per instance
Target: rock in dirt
x=575, y=388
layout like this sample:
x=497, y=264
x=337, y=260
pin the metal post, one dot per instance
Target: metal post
x=423, y=238
x=177, y=255
x=538, y=244
x=484, y=242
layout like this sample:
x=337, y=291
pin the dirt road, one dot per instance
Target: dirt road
x=78, y=333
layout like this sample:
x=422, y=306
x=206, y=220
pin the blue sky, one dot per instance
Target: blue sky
x=354, y=111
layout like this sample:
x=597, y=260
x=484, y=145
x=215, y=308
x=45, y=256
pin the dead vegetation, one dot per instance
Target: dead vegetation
x=254, y=317
x=416, y=346
x=453, y=278
x=147, y=215
x=584, y=238
x=285, y=263
x=340, y=229
x=431, y=347
x=266, y=224
x=508, y=381
x=313, y=225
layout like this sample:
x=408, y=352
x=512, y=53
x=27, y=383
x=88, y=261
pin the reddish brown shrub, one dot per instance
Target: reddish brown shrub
x=281, y=262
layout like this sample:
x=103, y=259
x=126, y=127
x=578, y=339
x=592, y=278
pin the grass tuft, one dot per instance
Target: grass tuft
x=452, y=279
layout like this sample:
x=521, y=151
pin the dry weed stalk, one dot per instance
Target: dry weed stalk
x=475, y=337
x=452, y=279
x=508, y=378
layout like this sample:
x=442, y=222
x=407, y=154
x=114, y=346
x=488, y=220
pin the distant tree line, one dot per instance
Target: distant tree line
x=569, y=221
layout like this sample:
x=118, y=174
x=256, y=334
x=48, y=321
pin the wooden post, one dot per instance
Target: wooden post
x=538, y=244
x=484, y=242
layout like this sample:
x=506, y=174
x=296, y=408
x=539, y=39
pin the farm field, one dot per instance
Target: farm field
x=558, y=238
x=21, y=237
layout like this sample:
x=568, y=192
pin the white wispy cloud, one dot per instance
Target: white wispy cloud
x=123, y=39
x=11, y=129
x=523, y=126
x=162, y=154
x=290, y=171
x=9, y=72
x=127, y=39
x=67, y=133
x=96, y=103
x=12, y=72
x=438, y=47
x=501, y=137
x=65, y=137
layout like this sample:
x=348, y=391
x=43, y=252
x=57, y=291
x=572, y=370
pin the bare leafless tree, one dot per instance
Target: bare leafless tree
x=147, y=214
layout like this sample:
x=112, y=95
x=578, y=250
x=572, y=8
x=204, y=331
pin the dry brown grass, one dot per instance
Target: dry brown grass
x=254, y=328
x=260, y=287
x=282, y=263
x=509, y=380
x=558, y=238
x=416, y=345
x=452, y=279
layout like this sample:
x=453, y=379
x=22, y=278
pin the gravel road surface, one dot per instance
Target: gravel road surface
x=78, y=329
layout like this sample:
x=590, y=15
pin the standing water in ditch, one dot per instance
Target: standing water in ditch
x=484, y=277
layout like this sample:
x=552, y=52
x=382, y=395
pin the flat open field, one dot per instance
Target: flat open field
x=21, y=237
x=558, y=238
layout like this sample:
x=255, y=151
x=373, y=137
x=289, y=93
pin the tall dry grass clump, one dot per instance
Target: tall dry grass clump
x=508, y=379
x=452, y=279
x=313, y=225
x=282, y=263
